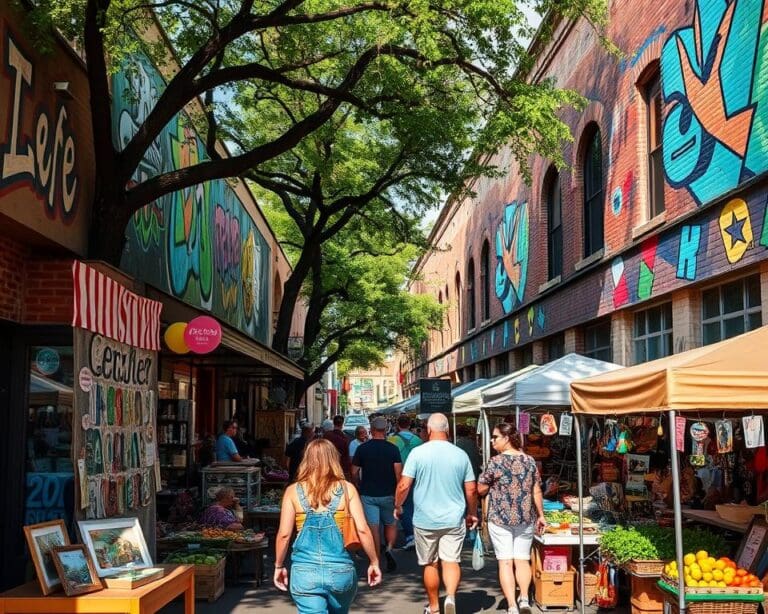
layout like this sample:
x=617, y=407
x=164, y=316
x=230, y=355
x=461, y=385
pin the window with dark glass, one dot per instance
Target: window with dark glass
x=654, y=110
x=471, y=306
x=526, y=355
x=485, y=283
x=469, y=373
x=554, y=228
x=459, y=312
x=597, y=341
x=49, y=468
x=502, y=364
x=652, y=337
x=485, y=369
x=593, y=195
x=731, y=309
x=556, y=346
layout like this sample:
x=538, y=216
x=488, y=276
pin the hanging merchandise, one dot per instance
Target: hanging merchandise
x=699, y=433
x=724, y=432
x=524, y=424
x=606, y=595
x=680, y=434
x=566, y=425
x=624, y=443
x=754, y=435
x=611, y=436
x=548, y=425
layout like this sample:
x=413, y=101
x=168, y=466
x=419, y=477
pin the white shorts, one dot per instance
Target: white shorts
x=511, y=542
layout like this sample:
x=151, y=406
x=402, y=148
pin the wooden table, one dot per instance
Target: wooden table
x=240, y=550
x=711, y=517
x=179, y=580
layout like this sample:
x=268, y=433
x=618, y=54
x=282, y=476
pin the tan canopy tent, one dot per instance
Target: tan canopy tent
x=732, y=374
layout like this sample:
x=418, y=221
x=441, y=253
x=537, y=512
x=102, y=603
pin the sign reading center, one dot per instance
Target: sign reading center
x=435, y=396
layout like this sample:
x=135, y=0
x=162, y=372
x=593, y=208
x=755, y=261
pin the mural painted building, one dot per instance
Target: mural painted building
x=654, y=239
x=373, y=388
x=207, y=250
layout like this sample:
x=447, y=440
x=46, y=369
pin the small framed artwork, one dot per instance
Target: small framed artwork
x=42, y=539
x=753, y=545
x=115, y=545
x=76, y=570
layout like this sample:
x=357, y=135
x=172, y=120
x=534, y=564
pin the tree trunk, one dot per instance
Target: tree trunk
x=291, y=293
x=109, y=220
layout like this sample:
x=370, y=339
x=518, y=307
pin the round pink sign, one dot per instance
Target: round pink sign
x=203, y=335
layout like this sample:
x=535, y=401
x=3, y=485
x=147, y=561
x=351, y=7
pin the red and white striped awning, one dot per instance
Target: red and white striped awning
x=106, y=307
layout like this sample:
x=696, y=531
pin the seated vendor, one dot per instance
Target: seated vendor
x=219, y=514
x=226, y=450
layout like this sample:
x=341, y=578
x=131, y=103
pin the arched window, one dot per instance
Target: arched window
x=593, y=194
x=485, y=283
x=457, y=294
x=554, y=225
x=471, y=303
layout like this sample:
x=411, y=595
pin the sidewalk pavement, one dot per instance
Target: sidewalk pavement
x=400, y=592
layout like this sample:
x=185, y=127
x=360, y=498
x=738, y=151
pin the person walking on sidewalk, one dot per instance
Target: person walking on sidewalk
x=515, y=508
x=323, y=576
x=445, y=503
x=379, y=462
x=332, y=431
x=406, y=441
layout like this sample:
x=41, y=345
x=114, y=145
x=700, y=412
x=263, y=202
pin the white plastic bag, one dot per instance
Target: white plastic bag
x=478, y=554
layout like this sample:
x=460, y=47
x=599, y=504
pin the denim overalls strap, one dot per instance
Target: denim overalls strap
x=320, y=539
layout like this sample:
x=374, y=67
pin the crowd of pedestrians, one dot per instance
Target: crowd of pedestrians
x=420, y=480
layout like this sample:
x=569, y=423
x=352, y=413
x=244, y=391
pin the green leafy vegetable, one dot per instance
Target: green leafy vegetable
x=651, y=542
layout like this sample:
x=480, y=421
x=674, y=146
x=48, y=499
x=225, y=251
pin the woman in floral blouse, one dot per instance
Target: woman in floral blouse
x=515, y=508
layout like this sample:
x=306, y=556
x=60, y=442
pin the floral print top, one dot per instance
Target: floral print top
x=218, y=517
x=511, y=478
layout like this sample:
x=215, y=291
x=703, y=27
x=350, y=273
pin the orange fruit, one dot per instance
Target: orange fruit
x=736, y=581
x=741, y=572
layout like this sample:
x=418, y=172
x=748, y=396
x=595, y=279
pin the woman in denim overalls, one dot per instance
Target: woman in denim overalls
x=323, y=577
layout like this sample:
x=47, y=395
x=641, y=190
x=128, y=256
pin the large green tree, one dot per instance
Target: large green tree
x=377, y=56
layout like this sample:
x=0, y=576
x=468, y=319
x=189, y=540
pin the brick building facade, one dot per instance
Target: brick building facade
x=653, y=239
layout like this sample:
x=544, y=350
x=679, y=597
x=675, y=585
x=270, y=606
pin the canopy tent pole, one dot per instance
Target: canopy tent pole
x=580, y=482
x=454, y=427
x=486, y=437
x=677, y=504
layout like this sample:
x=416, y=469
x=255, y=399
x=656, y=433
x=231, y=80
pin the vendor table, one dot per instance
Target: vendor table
x=179, y=580
x=264, y=516
x=566, y=539
x=238, y=550
x=712, y=517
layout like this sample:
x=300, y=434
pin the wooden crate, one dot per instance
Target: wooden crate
x=646, y=594
x=209, y=580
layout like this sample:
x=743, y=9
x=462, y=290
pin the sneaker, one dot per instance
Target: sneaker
x=512, y=611
x=525, y=606
x=391, y=562
x=449, y=607
x=410, y=543
x=428, y=610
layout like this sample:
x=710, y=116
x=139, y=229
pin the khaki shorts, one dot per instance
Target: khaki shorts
x=442, y=544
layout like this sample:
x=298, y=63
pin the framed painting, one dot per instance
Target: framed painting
x=42, y=539
x=115, y=544
x=76, y=570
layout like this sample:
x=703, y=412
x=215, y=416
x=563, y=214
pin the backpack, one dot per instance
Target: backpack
x=408, y=445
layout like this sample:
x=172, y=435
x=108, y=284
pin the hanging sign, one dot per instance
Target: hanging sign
x=435, y=396
x=524, y=424
x=680, y=434
x=203, y=335
x=754, y=436
x=724, y=432
x=566, y=425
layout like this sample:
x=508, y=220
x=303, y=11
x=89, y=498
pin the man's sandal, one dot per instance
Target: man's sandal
x=428, y=610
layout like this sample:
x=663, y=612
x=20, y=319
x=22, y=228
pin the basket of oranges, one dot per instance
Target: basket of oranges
x=706, y=575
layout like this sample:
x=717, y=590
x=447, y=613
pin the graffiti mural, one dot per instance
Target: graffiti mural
x=38, y=149
x=714, y=83
x=211, y=253
x=735, y=229
x=512, y=255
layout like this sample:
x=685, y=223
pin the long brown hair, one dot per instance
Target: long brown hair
x=319, y=471
x=510, y=430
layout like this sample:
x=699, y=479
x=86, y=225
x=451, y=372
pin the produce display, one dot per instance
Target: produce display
x=218, y=536
x=702, y=570
x=195, y=557
x=271, y=497
x=651, y=542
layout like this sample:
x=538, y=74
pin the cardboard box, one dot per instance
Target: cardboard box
x=556, y=558
x=553, y=589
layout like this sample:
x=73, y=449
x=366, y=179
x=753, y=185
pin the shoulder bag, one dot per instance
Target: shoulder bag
x=349, y=530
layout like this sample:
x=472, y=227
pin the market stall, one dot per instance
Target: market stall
x=724, y=379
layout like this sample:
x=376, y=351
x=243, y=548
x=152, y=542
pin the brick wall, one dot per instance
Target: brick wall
x=48, y=292
x=12, y=258
x=644, y=260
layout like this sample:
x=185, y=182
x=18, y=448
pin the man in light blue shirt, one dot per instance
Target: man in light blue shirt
x=445, y=500
x=226, y=450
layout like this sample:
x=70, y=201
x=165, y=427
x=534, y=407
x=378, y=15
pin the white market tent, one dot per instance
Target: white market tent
x=471, y=399
x=548, y=385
